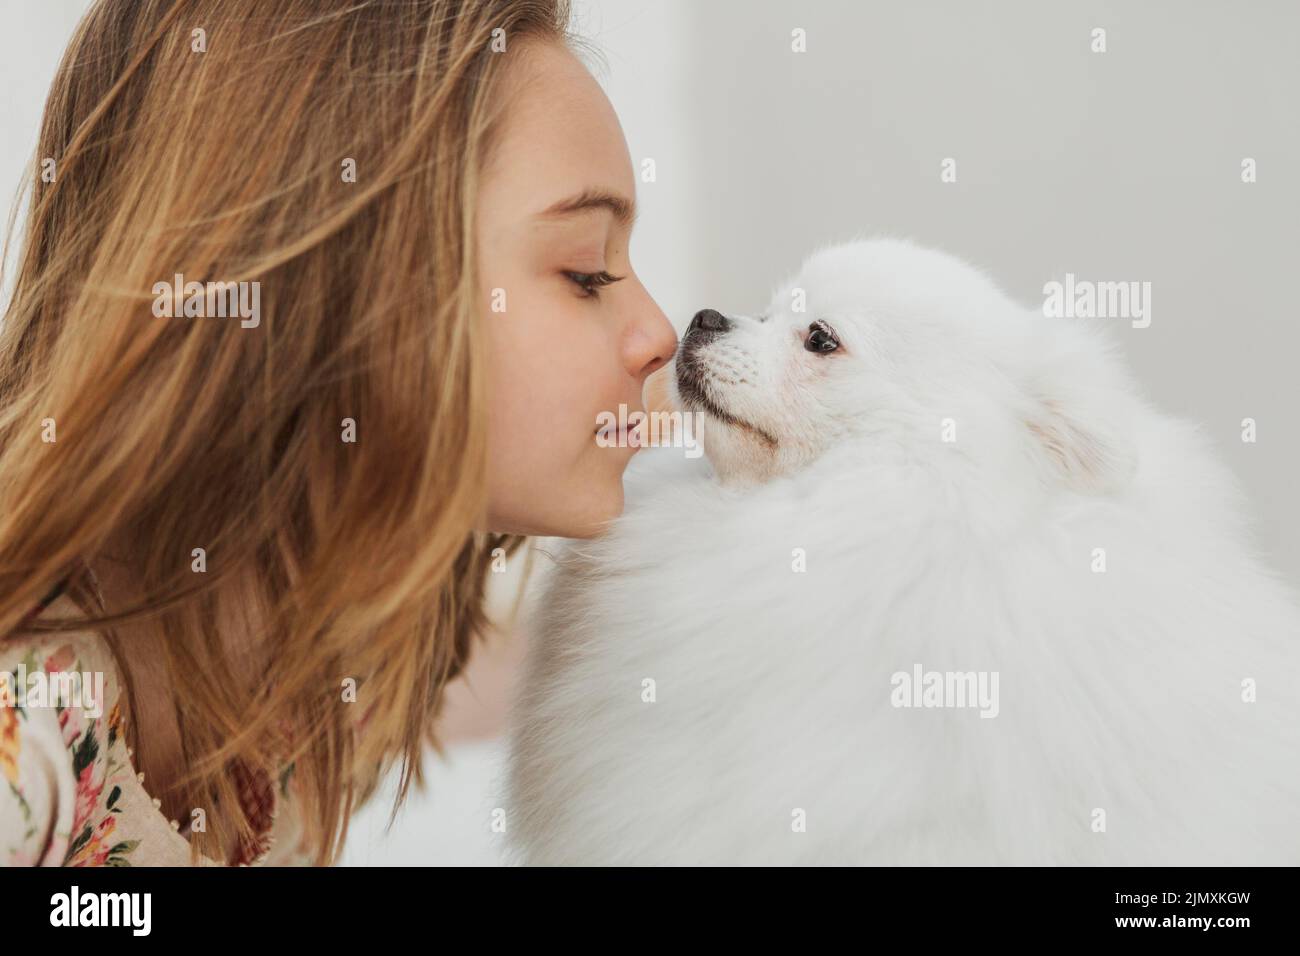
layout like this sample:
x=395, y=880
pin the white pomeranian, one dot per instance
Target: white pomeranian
x=947, y=590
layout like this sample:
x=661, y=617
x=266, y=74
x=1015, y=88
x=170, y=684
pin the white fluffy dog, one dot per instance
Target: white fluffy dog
x=947, y=590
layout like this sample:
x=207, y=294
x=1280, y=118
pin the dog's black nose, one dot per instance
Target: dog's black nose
x=708, y=320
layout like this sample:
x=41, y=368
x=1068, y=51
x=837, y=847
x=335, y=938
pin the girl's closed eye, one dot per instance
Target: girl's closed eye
x=590, y=282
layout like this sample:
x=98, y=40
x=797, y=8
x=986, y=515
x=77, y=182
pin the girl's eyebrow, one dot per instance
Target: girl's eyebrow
x=624, y=209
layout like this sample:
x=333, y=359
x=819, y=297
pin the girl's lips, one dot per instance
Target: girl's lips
x=623, y=437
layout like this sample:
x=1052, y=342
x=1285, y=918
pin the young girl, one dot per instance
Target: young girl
x=317, y=310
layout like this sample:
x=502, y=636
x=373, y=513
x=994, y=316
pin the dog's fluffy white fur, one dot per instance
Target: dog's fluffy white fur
x=947, y=474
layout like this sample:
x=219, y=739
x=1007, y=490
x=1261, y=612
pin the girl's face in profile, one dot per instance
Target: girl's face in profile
x=579, y=332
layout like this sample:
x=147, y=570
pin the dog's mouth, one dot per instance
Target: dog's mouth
x=692, y=385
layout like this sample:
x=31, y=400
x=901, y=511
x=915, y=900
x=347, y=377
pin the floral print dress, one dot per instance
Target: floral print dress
x=69, y=794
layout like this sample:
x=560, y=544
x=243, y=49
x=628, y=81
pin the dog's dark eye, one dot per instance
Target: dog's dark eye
x=821, y=338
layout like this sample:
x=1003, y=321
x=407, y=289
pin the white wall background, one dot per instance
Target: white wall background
x=1116, y=166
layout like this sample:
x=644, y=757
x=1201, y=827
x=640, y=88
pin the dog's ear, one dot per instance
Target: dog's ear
x=1080, y=425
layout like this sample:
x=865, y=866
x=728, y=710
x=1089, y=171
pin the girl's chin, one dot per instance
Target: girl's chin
x=597, y=508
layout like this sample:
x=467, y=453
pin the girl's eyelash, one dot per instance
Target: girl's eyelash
x=590, y=282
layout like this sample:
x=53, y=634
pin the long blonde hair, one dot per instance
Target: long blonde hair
x=212, y=139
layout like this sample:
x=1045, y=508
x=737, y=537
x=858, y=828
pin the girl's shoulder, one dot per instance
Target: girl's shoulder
x=69, y=791
x=63, y=755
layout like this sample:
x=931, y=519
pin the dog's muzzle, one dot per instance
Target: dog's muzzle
x=706, y=326
x=692, y=375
